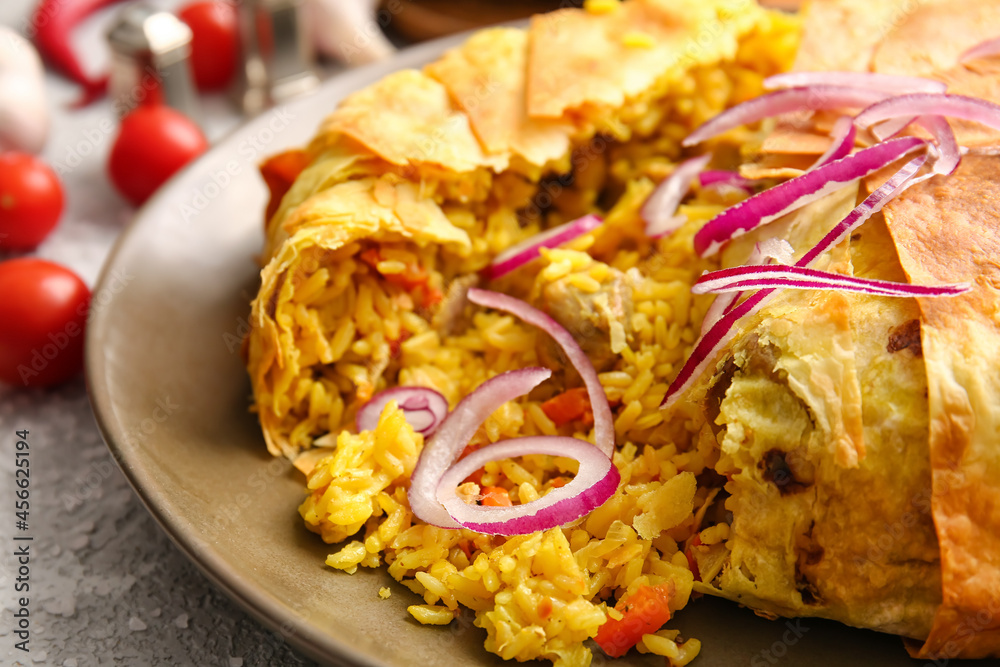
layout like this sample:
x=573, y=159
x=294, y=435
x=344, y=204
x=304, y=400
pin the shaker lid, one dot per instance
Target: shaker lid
x=141, y=29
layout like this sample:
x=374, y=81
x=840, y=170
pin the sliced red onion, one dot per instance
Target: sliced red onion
x=887, y=83
x=660, y=210
x=842, y=135
x=774, y=248
x=891, y=127
x=423, y=407
x=527, y=250
x=990, y=47
x=947, y=152
x=873, y=203
x=595, y=482
x=811, y=98
x=796, y=277
x=710, y=342
x=769, y=205
x=722, y=177
x=604, y=429
x=455, y=432
x=929, y=104
x=722, y=331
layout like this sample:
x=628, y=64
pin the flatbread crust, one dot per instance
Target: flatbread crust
x=902, y=37
x=408, y=119
x=948, y=230
x=486, y=79
x=393, y=156
x=579, y=59
x=931, y=36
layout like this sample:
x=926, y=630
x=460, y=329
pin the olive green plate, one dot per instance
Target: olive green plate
x=171, y=398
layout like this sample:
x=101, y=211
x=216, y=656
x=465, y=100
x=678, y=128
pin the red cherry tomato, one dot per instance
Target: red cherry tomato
x=152, y=143
x=43, y=314
x=214, y=43
x=31, y=201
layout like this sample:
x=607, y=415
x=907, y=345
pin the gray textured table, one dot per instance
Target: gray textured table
x=107, y=587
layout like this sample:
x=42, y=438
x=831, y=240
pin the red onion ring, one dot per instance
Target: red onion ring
x=604, y=429
x=423, y=407
x=797, y=277
x=722, y=331
x=872, y=204
x=887, y=83
x=454, y=433
x=810, y=98
x=595, y=482
x=948, y=154
x=842, y=134
x=722, y=177
x=990, y=47
x=660, y=210
x=929, y=104
x=527, y=250
x=891, y=127
x=769, y=205
x=432, y=485
x=774, y=248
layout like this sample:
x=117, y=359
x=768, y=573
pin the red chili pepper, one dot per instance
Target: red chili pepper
x=51, y=25
x=692, y=563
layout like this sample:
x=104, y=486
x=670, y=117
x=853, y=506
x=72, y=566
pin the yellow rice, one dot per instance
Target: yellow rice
x=354, y=334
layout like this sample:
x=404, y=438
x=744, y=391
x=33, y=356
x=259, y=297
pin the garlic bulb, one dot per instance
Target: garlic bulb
x=349, y=30
x=24, y=116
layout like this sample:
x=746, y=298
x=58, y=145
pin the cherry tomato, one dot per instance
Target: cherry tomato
x=214, y=43
x=43, y=314
x=153, y=142
x=31, y=201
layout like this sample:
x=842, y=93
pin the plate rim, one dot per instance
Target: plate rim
x=307, y=638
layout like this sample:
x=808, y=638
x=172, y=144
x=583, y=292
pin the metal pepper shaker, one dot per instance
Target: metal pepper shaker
x=150, y=50
x=278, y=53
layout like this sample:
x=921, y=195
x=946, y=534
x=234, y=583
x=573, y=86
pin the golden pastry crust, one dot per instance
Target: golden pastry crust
x=946, y=230
x=486, y=80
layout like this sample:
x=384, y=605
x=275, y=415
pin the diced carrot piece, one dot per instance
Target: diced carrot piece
x=370, y=257
x=495, y=496
x=558, y=482
x=644, y=612
x=414, y=278
x=476, y=477
x=570, y=405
